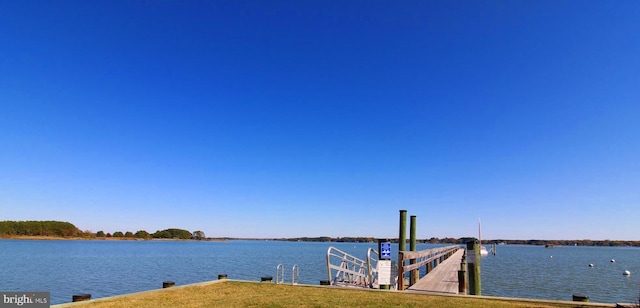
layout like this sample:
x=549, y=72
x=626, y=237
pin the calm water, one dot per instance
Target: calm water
x=559, y=272
x=106, y=268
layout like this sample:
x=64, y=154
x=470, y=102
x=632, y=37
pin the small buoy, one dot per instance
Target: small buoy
x=550, y=257
x=613, y=260
x=591, y=265
x=627, y=273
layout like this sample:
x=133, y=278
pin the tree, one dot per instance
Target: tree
x=173, y=233
x=100, y=234
x=118, y=234
x=198, y=235
x=39, y=228
x=142, y=234
x=128, y=234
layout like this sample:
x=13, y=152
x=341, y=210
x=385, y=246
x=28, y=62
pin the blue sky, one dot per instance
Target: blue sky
x=323, y=118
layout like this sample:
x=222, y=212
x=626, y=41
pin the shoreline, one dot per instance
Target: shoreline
x=226, y=239
x=78, y=238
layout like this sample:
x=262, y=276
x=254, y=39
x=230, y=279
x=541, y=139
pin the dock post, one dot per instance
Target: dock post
x=462, y=275
x=402, y=246
x=415, y=274
x=473, y=264
x=462, y=286
x=402, y=238
x=81, y=297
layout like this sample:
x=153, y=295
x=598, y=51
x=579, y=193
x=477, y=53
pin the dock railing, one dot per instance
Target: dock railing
x=372, y=266
x=424, y=257
x=347, y=270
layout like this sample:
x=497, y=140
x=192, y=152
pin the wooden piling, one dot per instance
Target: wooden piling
x=415, y=274
x=462, y=282
x=402, y=246
x=402, y=237
x=473, y=266
x=462, y=275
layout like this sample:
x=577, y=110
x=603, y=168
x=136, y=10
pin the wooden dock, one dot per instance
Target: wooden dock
x=443, y=278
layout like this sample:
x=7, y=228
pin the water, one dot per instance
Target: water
x=559, y=272
x=106, y=268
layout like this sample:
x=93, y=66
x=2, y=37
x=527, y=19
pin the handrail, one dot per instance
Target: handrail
x=372, y=270
x=279, y=278
x=295, y=274
x=422, y=257
x=351, y=271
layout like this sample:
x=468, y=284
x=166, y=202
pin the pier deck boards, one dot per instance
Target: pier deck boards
x=443, y=278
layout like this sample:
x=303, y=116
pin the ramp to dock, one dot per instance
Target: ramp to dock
x=443, y=278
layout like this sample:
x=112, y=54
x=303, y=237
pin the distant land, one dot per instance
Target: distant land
x=65, y=230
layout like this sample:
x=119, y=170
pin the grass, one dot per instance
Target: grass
x=254, y=294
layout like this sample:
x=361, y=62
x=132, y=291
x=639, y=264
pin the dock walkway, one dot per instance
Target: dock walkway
x=443, y=278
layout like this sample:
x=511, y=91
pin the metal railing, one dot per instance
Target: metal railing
x=295, y=274
x=280, y=274
x=372, y=266
x=350, y=271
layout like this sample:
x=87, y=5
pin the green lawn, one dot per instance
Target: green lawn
x=254, y=294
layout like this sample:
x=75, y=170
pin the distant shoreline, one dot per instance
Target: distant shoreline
x=542, y=243
x=78, y=238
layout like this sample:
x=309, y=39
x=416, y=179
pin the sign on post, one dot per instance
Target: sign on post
x=385, y=251
x=384, y=272
x=384, y=264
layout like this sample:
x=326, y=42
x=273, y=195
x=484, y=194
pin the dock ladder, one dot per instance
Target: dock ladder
x=295, y=274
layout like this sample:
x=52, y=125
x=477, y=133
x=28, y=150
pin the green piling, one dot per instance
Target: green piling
x=415, y=274
x=402, y=246
x=473, y=267
x=402, y=238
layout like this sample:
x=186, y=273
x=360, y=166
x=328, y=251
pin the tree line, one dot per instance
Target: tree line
x=39, y=228
x=464, y=240
x=67, y=229
x=172, y=233
x=585, y=242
